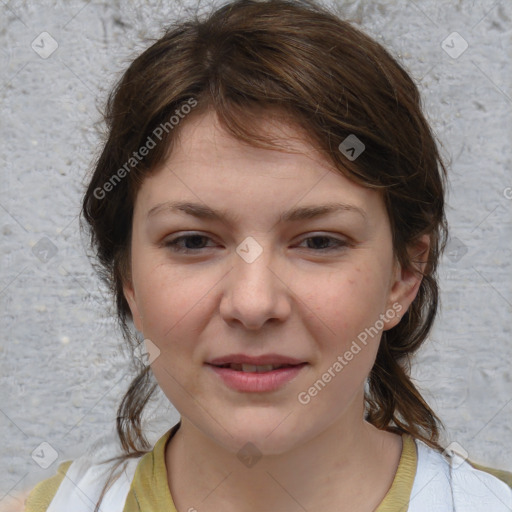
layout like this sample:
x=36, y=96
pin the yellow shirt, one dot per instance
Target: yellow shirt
x=149, y=490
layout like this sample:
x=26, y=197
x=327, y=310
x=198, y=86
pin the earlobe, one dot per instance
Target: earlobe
x=407, y=281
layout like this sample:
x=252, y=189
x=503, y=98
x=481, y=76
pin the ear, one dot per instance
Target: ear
x=131, y=298
x=406, y=281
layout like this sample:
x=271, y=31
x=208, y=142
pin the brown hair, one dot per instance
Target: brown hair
x=249, y=59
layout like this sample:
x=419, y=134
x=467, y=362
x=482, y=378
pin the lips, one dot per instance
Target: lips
x=236, y=361
x=253, y=368
x=251, y=378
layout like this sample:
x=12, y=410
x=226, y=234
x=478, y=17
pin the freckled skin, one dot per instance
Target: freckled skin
x=292, y=300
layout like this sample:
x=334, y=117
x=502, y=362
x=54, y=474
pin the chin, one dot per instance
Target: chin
x=266, y=435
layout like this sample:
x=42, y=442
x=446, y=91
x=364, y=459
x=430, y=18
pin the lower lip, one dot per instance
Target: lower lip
x=254, y=382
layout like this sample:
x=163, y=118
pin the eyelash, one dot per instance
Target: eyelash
x=173, y=244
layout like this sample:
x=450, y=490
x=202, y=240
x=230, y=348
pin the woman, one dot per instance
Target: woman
x=269, y=212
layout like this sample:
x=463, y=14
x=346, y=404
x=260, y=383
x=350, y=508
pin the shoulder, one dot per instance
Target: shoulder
x=443, y=479
x=80, y=482
x=504, y=476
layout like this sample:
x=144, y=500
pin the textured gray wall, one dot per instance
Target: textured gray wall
x=63, y=369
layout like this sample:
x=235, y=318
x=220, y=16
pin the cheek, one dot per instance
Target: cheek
x=169, y=298
x=342, y=311
x=344, y=302
x=175, y=315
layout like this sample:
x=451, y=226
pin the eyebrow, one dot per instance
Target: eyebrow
x=202, y=211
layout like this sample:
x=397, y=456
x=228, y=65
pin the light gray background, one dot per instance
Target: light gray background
x=63, y=371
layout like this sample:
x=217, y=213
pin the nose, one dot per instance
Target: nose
x=255, y=291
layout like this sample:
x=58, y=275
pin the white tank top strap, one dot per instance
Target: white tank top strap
x=85, y=478
x=451, y=484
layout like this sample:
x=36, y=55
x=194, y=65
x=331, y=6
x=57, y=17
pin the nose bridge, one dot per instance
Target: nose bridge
x=252, y=266
x=254, y=292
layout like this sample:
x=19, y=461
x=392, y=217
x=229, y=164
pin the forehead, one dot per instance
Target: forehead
x=203, y=139
x=208, y=165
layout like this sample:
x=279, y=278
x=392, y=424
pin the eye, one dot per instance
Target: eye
x=196, y=242
x=195, y=239
x=323, y=240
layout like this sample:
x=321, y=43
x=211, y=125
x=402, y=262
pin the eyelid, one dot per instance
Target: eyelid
x=340, y=242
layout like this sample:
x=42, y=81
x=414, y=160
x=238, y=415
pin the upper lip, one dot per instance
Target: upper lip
x=264, y=359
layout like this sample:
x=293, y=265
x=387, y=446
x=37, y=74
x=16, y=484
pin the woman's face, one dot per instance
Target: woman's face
x=263, y=277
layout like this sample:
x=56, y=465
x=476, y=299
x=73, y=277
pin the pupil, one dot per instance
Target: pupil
x=192, y=239
x=323, y=239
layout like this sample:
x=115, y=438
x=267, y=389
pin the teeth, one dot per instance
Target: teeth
x=251, y=368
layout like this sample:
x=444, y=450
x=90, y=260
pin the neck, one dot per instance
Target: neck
x=350, y=463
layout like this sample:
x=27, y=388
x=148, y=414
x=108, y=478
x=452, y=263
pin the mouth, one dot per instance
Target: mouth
x=252, y=368
x=256, y=378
